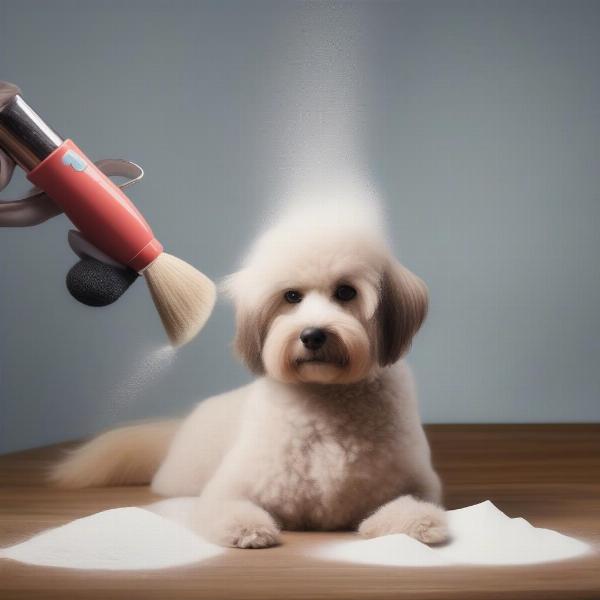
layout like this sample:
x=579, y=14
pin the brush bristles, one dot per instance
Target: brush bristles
x=183, y=296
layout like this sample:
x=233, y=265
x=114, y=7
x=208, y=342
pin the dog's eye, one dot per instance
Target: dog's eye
x=293, y=296
x=345, y=293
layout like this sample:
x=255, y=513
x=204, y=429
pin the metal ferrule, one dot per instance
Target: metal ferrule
x=24, y=135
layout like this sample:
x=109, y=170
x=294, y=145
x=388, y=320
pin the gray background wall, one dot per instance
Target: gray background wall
x=479, y=123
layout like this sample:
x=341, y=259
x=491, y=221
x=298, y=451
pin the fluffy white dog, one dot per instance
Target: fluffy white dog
x=328, y=436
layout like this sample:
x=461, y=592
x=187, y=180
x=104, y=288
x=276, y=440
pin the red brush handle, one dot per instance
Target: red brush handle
x=96, y=206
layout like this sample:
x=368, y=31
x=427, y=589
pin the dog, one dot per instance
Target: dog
x=328, y=436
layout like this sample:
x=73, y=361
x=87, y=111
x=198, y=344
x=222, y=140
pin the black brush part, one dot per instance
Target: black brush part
x=95, y=283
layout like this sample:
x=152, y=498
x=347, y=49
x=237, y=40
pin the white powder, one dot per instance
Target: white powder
x=318, y=117
x=390, y=550
x=135, y=538
x=117, y=539
x=481, y=534
x=147, y=369
x=178, y=510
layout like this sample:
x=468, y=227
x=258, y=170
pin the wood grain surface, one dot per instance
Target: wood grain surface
x=548, y=474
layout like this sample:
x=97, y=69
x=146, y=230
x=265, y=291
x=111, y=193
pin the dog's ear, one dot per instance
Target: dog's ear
x=251, y=324
x=402, y=309
x=249, y=338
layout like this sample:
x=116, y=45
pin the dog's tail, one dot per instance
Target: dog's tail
x=125, y=456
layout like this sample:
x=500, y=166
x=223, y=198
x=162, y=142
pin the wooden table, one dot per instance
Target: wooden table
x=549, y=474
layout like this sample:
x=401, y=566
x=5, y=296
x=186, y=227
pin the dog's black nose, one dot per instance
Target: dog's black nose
x=313, y=337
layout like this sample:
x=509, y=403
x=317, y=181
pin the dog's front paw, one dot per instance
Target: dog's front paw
x=423, y=521
x=241, y=524
x=250, y=536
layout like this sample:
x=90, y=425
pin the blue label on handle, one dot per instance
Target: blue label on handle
x=73, y=160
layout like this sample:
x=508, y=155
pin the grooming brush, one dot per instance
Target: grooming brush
x=106, y=219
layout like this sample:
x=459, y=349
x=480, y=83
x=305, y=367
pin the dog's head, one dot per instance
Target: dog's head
x=324, y=305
